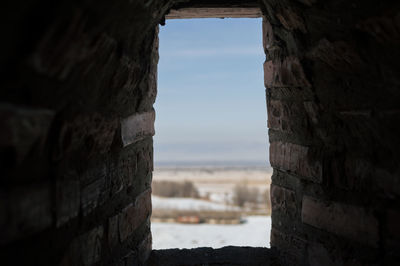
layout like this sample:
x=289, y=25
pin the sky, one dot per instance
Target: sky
x=210, y=106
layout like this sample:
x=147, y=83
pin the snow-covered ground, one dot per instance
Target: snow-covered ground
x=255, y=233
x=189, y=204
x=218, y=184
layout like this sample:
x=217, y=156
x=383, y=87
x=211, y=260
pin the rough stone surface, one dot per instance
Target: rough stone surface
x=72, y=71
x=348, y=221
x=297, y=159
x=285, y=72
x=292, y=248
x=24, y=212
x=85, y=249
x=283, y=199
x=68, y=199
x=134, y=215
x=137, y=127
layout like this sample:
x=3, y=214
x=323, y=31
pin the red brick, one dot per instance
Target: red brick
x=339, y=55
x=296, y=159
x=294, y=247
x=291, y=20
x=134, y=215
x=136, y=127
x=319, y=255
x=281, y=115
x=283, y=199
x=113, y=236
x=90, y=193
x=286, y=72
x=268, y=35
x=85, y=249
x=68, y=200
x=348, y=221
x=145, y=248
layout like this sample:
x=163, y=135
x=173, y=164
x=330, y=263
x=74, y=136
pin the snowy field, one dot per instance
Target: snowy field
x=218, y=184
x=189, y=204
x=254, y=233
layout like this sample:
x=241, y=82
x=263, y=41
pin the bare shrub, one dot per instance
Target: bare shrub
x=243, y=194
x=172, y=189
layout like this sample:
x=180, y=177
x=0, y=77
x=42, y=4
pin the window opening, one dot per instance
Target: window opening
x=212, y=175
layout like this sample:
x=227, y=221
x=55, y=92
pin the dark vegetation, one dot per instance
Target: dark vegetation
x=173, y=189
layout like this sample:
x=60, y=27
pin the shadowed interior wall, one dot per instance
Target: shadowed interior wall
x=77, y=88
x=78, y=81
x=332, y=78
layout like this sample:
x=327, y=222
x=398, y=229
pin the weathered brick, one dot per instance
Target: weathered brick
x=319, y=255
x=93, y=132
x=283, y=115
x=113, y=236
x=145, y=248
x=268, y=35
x=134, y=215
x=312, y=110
x=286, y=72
x=68, y=199
x=383, y=28
x=24, y=212
x=136, y=127
x=348, y=221
x=296, y=159
x=339, y=55
x=85, y=249
x=90, y=194
x=23, y=129
x=291, y=20
x=283, y=199
x=292, y=246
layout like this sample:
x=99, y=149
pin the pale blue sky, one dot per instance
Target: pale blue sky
x=211, y=98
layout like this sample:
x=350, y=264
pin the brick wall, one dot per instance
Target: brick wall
x=76, y=158
x=330, y=72
x=78, y=81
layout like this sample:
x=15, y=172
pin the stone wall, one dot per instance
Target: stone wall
x=332, y=78
x=78, y=83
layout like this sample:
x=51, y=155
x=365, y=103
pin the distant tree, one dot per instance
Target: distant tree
x=242, y=194
x=172, y=189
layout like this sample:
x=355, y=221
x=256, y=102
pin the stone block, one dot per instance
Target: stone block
x=284, y=115
x=351, y=222
x=113, y=236
x=268, y=35
x=294, y=247
x=291, y=20
x=23, y=129
x=91, y=132
x=319, y=255
x=137, y=127
x=285, y=72
x=67, y=200
x=134, y=215
x=283, y=200
x=339, y=55
x=24, y=212
x=90, y=194
x=296, y=159
x=145, y=248
x=85, y=249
